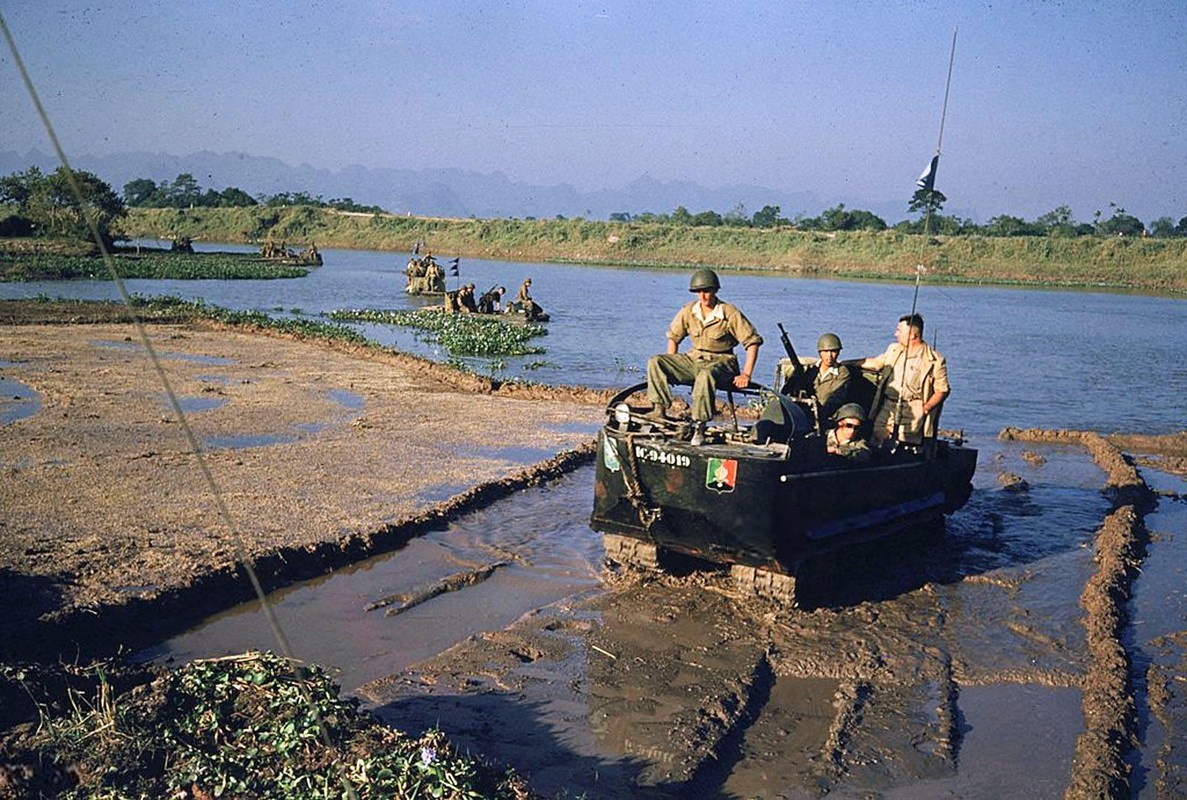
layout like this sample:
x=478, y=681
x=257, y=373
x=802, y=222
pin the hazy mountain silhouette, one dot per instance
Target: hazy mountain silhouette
x=442, y=192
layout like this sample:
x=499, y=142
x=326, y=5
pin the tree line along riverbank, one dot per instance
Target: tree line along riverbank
x=1146, y=264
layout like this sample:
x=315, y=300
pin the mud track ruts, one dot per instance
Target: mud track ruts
x=95, y=633
x=1099, y=768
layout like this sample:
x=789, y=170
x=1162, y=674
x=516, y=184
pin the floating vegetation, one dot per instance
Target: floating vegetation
x=156, y=306
x=458, y=334
x=19, y=266
x=253, y=725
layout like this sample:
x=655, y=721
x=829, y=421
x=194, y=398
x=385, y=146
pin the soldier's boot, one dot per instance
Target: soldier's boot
x=658, y=414
x=698, y=434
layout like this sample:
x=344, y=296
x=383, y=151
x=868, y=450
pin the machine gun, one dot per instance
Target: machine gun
x=797, y=379
x=486, y=301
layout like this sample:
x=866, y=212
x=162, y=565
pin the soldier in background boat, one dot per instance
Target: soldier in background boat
x=434, y=279
x=465, y=298
x=915, y=388
x=524, y=302
x=525, y=291
x=491, y=301
x=415, y=272
x=715, y=328
x=844, y=438
x=830, y=378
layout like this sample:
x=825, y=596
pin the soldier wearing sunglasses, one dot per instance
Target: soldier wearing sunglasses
x=844, y=438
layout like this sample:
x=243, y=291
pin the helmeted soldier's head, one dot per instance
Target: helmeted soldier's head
x=704, y=280
x=828, y=341
x=850, y=411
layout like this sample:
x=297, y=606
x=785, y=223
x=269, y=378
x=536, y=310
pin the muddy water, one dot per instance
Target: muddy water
x=540, y=541
x=946, y=666
x=1157, y=638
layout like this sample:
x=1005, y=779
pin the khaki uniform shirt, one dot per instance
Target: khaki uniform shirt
x=525, y=294
x=718, y=333
x=926, y=372
x=831, y=388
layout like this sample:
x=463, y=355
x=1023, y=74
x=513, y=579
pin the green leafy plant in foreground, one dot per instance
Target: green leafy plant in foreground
x=248, y=726
x=458, y=334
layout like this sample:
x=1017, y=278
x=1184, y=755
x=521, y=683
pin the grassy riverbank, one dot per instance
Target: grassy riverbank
x=1131, y=263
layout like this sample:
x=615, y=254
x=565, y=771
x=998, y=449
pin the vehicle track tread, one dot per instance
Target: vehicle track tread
x=764, y=584
x=630, y=552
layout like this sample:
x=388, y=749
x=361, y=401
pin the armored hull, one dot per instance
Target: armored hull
x=766, y=506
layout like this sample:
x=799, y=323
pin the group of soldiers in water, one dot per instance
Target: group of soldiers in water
x=310, y=256
x=491, y=302
x=914, y=384
x=425, y=275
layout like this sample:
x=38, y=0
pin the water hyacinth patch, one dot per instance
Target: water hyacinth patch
x=154, y=266
x=251, y=725
x=457, y=334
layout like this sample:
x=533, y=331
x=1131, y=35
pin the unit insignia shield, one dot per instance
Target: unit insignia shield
x=721, y=474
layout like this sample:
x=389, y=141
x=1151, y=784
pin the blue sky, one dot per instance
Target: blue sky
x=1079, y=103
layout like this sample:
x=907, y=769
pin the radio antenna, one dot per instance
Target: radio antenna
x=927, y=184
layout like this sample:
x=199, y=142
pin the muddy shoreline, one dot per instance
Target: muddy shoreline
x=111, y=538
x=367, y=449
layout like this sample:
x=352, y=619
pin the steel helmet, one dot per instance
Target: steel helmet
x=828, y=341
x=850, y=411
x=704, y=279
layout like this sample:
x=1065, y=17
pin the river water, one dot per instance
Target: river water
x=998, y=597
x=1022, y=357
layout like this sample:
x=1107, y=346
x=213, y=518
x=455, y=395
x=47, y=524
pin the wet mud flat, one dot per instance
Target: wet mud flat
x=322, y=455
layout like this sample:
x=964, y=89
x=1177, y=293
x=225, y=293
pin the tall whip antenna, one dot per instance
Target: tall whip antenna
x=926, y=182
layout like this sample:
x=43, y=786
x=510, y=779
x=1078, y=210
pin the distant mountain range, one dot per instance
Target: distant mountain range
x=442, y=192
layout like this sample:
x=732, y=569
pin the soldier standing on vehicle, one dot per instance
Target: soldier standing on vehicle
x=916, y=387
x=715, y=328
x=524, y=295
x=844, y=439
x=830, y=381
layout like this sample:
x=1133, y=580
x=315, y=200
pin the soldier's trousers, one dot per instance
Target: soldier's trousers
x=909, y=423
x=704, y=373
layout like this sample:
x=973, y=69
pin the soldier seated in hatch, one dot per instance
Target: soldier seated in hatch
x=830, y=378
x=845, y=438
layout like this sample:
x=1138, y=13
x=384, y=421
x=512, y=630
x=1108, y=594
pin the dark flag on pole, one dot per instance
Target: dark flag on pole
x=453, y=267
x=927, y=180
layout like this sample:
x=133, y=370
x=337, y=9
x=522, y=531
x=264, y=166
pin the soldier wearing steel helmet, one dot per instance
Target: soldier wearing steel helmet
x=844, y=439
x=715, y=329
x=830, y=378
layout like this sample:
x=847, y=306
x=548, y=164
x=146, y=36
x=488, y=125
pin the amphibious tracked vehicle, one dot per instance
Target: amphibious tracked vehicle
x=763, y=497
